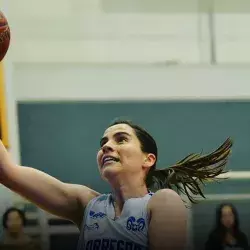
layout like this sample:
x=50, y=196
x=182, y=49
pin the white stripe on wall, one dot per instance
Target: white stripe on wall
x=237, y=175
x=73, y=82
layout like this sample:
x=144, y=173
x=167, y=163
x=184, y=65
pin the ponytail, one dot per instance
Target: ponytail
x=190, y=174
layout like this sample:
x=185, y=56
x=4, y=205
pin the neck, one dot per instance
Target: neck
x=15, y=235
x=126, y=188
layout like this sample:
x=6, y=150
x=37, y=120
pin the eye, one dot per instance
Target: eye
x=102, y=142
x=122, y=139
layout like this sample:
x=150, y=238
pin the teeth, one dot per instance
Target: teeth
x=106, y=159
x=109, y=159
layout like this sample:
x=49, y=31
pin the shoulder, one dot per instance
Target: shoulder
x=99, y=199
x=166, y=202
x=97, y=203
x=84, y=194
x=165, y=198
x=242, y=237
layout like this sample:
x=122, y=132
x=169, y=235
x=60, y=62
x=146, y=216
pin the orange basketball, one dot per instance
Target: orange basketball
x=4, y=36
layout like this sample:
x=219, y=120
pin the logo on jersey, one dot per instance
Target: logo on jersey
x=135, y=225
x=92, y=227
x=94, y=215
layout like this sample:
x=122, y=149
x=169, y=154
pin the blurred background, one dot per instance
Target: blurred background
x=179, y=68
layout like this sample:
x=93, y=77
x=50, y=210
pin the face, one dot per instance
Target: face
x=121, y=152
x=14, y=222
x=227, y=217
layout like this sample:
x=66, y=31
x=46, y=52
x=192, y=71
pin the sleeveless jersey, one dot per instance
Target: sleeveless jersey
x=101, y=231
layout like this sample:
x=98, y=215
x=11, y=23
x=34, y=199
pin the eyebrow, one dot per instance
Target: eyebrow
x=105, y=138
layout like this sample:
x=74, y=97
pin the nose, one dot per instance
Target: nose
x=107, y=148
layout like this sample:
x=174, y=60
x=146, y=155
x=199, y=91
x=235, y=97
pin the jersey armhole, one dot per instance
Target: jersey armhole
x=148, y=212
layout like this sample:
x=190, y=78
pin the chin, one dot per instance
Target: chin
x=110, y=172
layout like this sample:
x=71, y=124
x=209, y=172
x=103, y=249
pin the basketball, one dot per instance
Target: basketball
x=4, y=36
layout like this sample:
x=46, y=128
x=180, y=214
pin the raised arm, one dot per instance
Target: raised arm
x=61, y=199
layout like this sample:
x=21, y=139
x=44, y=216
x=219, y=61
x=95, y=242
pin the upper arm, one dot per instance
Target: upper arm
x=64, y=200
x=168, y=221
x=56, y=197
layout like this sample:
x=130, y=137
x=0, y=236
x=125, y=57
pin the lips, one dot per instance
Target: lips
x=108, y=159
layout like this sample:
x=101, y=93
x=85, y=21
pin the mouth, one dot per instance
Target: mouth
x=106, y=160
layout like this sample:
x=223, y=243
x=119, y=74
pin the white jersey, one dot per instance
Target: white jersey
x=101, y=231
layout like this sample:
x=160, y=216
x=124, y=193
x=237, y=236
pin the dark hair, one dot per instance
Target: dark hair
x=218, y=224
x=217, y=237
x=220, y=230
x=188, y=175
x=10, y=210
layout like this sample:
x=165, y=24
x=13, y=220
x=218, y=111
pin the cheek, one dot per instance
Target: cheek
x=227, y=220
x=98, y=156
x=132, y=155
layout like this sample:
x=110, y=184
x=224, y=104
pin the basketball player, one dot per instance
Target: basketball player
x=130, y=217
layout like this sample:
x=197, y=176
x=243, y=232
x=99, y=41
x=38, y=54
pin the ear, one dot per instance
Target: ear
x=149, y=161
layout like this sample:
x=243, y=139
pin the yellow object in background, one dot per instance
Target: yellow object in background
x=3, y=109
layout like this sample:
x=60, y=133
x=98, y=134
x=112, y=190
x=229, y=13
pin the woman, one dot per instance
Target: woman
x=130, y=217
x=14, y=221
x=227, y=233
